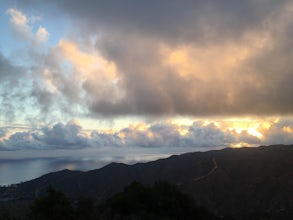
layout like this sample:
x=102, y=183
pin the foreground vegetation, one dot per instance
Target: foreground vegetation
x=161, y=201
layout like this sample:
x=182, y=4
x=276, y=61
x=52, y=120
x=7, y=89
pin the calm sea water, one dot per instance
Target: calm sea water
x=19, y=170
x=19, y=166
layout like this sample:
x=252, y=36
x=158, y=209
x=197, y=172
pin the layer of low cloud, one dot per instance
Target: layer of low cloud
x=200, y=135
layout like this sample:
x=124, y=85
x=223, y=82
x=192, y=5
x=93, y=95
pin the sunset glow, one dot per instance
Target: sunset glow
x=158, y=75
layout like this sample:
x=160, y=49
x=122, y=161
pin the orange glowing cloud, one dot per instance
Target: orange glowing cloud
x=215, y=61
x=88, y=65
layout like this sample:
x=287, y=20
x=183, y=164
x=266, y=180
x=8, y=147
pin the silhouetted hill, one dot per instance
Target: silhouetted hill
x=245, y=183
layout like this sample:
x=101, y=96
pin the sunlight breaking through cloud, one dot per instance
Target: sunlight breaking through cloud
x=198, y=135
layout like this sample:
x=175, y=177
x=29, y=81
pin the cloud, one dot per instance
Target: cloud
x=21, y=140
x=19, y=23
x=42, y=35
x=199, y=58
x=198, y=135
x=58, y=136
x=170, y=135
x=246, y=138
x=22, y=26
x=8, y=72
x=10, y=84
x=63, y=136
x=173, y=20
x=219, y=78
x=71, y=79
x=101, y=139
x=209, y=135
x=278, y=132
x=3, y=132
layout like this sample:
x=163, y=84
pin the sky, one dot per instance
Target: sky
x=162, y=76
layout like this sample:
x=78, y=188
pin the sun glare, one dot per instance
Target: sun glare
x=251, y=126
x=255, y=132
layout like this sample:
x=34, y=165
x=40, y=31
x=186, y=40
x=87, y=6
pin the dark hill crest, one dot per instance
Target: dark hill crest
x=238, y=182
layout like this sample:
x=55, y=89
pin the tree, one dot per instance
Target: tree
x=7, y=217
x=162, y=201
x=55, y=205
x=84, y=209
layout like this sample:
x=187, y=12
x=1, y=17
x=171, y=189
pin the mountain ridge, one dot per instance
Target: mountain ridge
x=236, y=182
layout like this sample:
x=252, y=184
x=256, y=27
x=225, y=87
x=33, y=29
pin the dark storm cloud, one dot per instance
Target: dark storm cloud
x=173, y=19
x=134, y=31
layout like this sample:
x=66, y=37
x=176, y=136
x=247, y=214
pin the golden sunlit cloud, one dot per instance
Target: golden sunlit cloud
x=287, y=129
x=88, y=65
x=241, y=144
x=255, y=132
x=215, y=62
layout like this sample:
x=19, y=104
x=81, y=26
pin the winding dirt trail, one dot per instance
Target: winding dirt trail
x=209, y=173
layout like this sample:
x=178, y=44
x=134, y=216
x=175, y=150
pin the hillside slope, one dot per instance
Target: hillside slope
x=244, y=183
